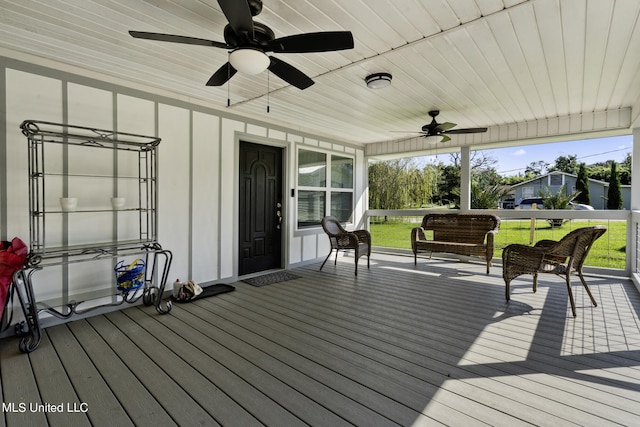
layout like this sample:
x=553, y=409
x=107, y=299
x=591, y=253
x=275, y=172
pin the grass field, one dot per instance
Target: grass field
x=608, y=251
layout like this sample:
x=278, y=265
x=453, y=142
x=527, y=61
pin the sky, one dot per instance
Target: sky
x=514, y=160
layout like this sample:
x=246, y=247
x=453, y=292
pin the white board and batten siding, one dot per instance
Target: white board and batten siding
x=197, y=176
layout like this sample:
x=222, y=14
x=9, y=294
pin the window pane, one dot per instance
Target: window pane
x=342, y=206
x=527, y=191
x=312, y=169
x=311, y=208
x=555, y=179
x=341, y=172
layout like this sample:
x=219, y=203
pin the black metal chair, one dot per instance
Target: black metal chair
x=341, y=239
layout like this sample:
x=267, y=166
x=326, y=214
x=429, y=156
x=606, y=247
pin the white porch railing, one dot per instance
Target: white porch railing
x=633, y=237
x=622, y=247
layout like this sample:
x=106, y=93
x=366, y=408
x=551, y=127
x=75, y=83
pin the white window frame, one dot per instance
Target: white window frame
x=327, y=189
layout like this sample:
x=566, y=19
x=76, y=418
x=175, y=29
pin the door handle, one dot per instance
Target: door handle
x=279, y=214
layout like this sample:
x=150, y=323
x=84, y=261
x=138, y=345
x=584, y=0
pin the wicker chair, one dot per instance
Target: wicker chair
x=341, y=239
x=561, y=258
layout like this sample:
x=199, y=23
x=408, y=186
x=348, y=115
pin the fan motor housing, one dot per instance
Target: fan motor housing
x=261, y=35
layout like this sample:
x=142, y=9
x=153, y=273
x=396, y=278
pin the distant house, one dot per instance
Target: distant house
x=597, y=189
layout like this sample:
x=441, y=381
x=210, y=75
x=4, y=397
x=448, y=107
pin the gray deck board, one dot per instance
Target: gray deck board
x=103, y=406
x=291, y=380
x=182, y=363
x=145, y=394
x=432, y=344
x=359, y=365
x=18, y=388
x=379, y=358
x=383, y=410
x=508, y=401
x=243, y=382
x=55, y=387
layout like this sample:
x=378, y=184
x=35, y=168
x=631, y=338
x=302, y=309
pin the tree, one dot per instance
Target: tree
x=487, y=197
x=399, y=184
x=478, y=160
x=614, y=195
x=449, y=186
x=423, y=184
x=599, y=171
x=559, y=200
x=627, y=161
x=517, y=179
x=430, y=177
x=388, y=184
x=567, y=164
x=624, y=170
x=537, y=168
x=602, y=170
x=582, y=185
x=415, y=183
x=484, y=178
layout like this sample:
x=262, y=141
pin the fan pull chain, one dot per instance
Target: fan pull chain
x=268, y=88
x=228, y=80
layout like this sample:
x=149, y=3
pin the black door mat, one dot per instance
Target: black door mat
x=271, y=278
x=209, y=291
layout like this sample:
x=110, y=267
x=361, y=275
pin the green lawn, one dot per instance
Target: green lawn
x=608, y=251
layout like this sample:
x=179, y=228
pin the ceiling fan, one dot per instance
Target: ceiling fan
x=442, y=129
x=249, y=41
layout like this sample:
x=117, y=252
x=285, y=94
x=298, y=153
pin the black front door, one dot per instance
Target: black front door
x=260, y=208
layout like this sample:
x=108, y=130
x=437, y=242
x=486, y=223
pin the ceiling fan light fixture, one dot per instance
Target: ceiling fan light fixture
x=249, y=61
x=378, y=80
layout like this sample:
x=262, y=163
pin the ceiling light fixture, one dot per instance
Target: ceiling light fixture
x=249, y=61
x=378, y=80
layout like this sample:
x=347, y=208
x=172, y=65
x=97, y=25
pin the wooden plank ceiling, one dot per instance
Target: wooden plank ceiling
x=483, y=63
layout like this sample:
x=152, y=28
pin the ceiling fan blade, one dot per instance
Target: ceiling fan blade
x=222, y=75
x=445, y=138
x=444, y=127
x=289, y=73
x=176, y=39
x=467, y=130
x=239, y=16
x=312, y=42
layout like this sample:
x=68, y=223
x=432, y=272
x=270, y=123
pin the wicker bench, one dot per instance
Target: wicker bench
x=468, y=234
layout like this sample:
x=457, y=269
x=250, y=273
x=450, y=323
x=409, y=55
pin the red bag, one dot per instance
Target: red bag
x=13, y=256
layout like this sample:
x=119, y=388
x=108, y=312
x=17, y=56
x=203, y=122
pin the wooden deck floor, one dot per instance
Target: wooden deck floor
x=398, y=345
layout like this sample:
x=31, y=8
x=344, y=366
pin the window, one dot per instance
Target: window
x=325, y=187
x=311, y=207
x=341, y=205
x=342, y=187
x=312, y=169
x=527, y=191
x=556, y=180
x=341, y=172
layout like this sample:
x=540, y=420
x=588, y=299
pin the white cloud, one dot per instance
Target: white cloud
x=520, y=152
